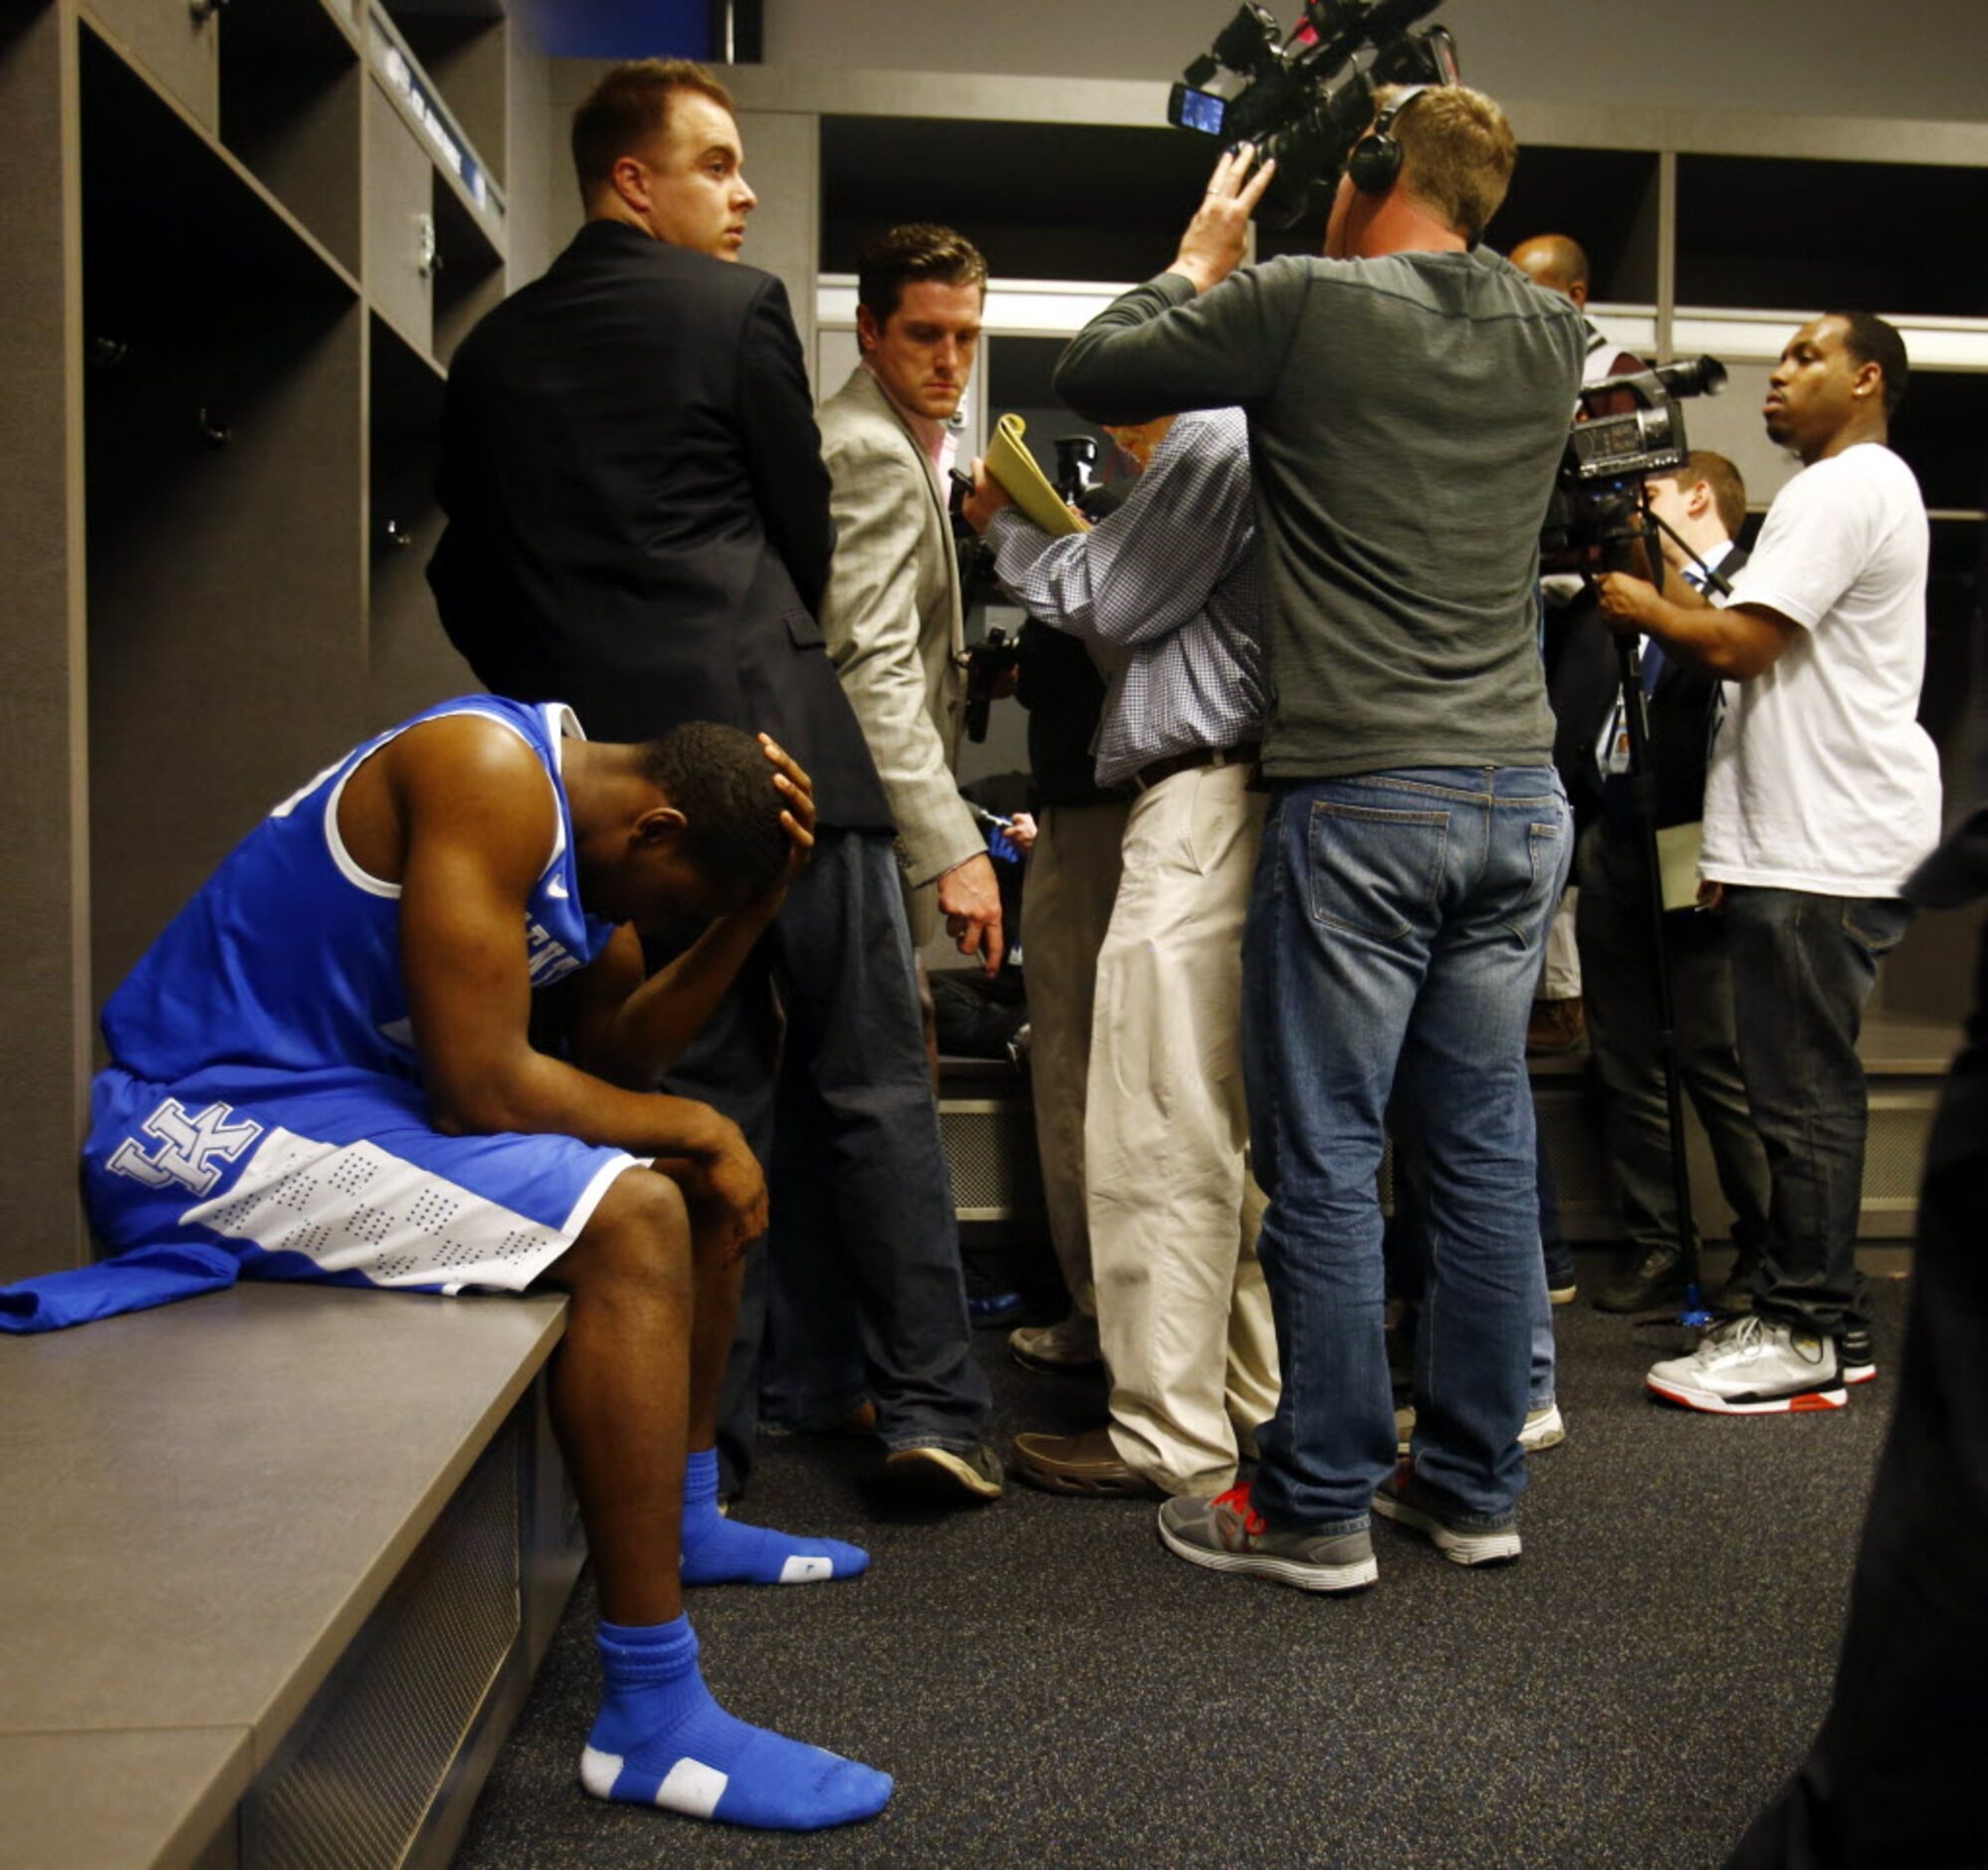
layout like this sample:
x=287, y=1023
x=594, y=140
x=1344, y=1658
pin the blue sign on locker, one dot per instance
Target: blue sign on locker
x=622, y=28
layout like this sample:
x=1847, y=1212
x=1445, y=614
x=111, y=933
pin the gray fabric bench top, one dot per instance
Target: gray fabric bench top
x=203, y=1504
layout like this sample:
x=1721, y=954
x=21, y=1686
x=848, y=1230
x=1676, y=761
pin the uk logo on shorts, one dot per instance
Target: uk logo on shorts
x=190, y=1147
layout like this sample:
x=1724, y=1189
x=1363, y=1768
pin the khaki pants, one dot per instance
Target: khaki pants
x=1183, y=1312
x=1561, y=977
x=1066, y=906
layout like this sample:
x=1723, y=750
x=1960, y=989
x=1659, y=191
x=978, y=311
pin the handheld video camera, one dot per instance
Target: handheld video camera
x=1302, y=98
x=1597, y=501
x=990, y=659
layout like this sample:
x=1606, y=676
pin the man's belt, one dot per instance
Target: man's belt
x=1148, y=777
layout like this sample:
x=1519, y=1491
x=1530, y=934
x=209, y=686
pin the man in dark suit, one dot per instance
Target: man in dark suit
x=1706, y=504
x=638, y=525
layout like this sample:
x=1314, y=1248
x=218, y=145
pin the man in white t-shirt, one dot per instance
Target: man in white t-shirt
x=1822, y=795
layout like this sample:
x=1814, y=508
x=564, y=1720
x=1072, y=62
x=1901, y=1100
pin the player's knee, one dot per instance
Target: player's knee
x=639, y=1233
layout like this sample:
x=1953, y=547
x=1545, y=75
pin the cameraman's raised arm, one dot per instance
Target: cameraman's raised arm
x=1187, y=340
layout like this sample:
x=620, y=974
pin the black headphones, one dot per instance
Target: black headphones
x=1376, y=160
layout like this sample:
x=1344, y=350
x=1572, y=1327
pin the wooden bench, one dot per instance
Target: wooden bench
x=276, y=1567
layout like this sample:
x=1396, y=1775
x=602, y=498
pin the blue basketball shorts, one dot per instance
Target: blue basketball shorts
x=333, y=1175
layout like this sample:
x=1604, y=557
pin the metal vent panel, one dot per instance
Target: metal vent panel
x=990, y=1146
x=353, y=1791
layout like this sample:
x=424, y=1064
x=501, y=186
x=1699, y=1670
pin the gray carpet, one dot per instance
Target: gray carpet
x=1049, y=1687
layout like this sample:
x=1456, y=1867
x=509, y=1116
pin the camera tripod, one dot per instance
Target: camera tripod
x=1695, y=1313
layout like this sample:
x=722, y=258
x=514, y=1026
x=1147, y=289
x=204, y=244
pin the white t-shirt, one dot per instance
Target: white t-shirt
x=1821, y=777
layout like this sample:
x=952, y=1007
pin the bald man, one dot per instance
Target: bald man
x=1559, y=263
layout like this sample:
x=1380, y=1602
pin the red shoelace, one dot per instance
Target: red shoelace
x=1237, y=1499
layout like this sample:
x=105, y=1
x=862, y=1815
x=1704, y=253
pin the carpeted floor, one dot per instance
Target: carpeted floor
x=1050, y=1688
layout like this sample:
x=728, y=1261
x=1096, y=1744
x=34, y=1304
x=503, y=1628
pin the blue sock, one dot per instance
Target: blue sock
x=718, y=1550
x=660, y=1739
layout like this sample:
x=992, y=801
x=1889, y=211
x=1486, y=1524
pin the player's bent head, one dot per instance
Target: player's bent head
x=1458, y=154
x=723, y=820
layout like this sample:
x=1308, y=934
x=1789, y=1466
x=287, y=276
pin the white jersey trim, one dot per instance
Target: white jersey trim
x=362, y=878
x=590, y=1196
x=359, y=1208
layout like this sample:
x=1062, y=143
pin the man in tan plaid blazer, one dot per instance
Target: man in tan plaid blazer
x=891, y=612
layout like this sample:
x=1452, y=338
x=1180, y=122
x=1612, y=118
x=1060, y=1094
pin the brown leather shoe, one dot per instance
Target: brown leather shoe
x=1079, y=1463
x=1556, y=1026
x=862, y=1420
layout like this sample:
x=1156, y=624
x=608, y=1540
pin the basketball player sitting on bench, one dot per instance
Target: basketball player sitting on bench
x=323, y=1066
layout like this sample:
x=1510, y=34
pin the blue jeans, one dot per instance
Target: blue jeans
x=1406, y=1248
x=1802, y=966
x=1552, y=1236
x=1396, y=931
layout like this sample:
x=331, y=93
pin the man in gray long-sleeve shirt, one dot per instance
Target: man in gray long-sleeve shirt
x=1407, y=400
x=1170, y=588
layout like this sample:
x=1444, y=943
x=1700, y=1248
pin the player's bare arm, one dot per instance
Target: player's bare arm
x=458, y=812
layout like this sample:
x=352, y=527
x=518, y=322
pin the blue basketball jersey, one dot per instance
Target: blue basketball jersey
x=289, y=956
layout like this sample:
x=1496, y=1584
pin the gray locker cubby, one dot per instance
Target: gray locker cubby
x=222, y=432
x=462, y=46
x=1884, y=235
x=221, y=373
x=410, y=663
x=400, y=241
x=470, y=276
x=290, y=109
x=175, y=44
x=1068, y=201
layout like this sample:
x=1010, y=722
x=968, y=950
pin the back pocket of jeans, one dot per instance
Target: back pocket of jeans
x=1877, y=923
x=1374, y=871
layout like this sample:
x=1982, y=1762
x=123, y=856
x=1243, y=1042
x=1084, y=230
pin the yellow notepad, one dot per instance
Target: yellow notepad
x=1678, y=847
x=1011, y=463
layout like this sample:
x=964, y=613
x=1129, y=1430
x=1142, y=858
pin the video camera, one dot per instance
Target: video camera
x=1301, y=98
x=1597, y=501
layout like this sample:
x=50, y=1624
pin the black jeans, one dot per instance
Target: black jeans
x=1802, y=969
x=862, y=1204
x=1619, y=980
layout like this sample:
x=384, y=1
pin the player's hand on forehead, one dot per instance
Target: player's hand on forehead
x=797, y=820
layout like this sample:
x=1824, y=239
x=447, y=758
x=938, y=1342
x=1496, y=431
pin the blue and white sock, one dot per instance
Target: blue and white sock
x=718, y=1550
x=661, y=1739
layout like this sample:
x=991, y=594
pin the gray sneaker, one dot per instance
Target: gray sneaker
x=1753, y=1366
x=1463, y=1538
x=1228, y=1534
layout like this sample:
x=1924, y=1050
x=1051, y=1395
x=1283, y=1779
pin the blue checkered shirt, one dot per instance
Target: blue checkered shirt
x=1169, y=588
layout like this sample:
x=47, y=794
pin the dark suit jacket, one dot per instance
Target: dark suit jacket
x=1584, y=700
x=638, y=513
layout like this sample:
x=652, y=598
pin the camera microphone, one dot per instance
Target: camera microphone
x=1700, y=376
